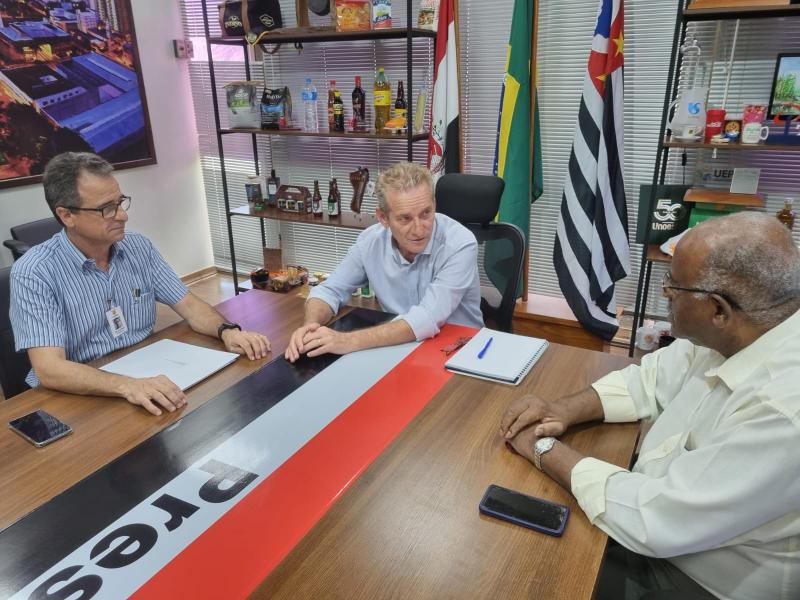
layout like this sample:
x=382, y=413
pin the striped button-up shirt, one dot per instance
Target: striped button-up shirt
x=60, y=298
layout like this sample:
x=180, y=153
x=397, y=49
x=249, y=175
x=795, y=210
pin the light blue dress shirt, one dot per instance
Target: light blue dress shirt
x=60, y=298
x=440, y=286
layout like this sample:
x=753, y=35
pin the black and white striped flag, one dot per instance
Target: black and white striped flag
x=591, y=250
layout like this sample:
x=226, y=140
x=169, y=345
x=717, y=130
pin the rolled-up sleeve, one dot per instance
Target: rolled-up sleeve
x=588, y=482
x=350, y=274
x=451, y=281
x=168, y=287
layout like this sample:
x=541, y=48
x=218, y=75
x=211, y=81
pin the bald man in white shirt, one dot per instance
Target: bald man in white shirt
x=711, y=509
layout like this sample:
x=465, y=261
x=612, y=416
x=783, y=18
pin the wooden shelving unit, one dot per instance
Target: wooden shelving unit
x=350, y=135
x=348, y=220
x=651, y=253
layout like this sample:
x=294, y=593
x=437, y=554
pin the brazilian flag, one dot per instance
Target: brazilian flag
x=512, y=152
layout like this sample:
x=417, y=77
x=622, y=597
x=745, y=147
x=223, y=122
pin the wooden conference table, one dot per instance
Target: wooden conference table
x=409, y=526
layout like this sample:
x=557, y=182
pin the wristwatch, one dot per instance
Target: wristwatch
x=541, y=447
x=226, y=325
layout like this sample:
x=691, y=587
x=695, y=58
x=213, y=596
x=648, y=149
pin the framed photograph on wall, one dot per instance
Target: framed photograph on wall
x=784, y=100
x=70, y=80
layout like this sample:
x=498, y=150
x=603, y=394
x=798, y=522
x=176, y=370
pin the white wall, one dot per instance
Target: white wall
x=168, y=198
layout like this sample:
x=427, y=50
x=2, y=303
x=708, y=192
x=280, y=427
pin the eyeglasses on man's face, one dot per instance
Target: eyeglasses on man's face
x=109, y=210
x=666, y=284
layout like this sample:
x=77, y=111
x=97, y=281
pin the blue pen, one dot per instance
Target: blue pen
x=485, y=348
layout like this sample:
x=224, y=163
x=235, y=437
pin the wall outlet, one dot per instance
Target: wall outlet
x=183, y=48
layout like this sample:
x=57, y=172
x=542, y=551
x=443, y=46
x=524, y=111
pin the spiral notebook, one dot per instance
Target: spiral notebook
x=507, y=359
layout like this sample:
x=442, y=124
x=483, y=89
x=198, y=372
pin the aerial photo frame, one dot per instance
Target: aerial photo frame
x=70, y=80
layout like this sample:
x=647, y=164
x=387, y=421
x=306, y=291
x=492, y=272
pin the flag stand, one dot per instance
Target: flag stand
x=534, y=62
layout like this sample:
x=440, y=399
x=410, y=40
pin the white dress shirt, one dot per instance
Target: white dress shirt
x=716, y=489
x=440, y=286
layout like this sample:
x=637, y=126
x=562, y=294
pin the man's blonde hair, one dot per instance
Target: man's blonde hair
x=399, y=178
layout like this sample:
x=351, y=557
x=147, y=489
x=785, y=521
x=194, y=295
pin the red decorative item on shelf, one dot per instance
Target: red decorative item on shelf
x=715, y=118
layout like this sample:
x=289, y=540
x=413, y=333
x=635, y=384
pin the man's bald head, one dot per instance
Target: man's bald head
x=752, y=258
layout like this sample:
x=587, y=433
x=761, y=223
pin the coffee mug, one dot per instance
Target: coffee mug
x=715, y=117
x=753, y=133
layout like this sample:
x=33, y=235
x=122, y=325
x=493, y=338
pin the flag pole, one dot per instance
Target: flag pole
x=534, y=55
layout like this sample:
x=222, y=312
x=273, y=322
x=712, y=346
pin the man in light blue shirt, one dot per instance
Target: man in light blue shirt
x=422, y=266
x=92, y=289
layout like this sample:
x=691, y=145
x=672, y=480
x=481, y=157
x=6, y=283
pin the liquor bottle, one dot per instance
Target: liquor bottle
x=331, y=97
x=400, y=107
x=787, y=214
x=273, y=183
x=338, y=112
x=316, y=200
x=335, y=200
x=382, y=94
x=359, y=107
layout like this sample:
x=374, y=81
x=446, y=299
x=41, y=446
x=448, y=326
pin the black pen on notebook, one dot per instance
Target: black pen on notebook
x=485, y=348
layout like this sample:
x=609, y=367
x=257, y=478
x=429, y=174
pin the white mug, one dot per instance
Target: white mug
x=753, y=133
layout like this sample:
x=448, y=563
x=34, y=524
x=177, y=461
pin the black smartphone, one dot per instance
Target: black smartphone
x=521, y=509
x=40, y=428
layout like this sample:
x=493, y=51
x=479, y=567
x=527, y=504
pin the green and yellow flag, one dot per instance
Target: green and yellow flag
x=512, y=152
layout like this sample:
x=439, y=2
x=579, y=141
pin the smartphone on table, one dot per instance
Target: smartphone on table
x=40, y=428
x=521, y=509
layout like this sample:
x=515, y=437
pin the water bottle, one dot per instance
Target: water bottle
x=310, y=119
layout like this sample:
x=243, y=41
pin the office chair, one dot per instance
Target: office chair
x=473, y=200
x=14, y=366
x=29, y=234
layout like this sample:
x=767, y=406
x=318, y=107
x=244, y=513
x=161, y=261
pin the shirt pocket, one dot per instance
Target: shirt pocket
x=141, y=313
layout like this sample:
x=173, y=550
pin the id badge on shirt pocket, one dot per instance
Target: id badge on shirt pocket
x=116, y=321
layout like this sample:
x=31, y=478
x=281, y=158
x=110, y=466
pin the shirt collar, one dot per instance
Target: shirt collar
x=79, y=258
x=427, y=250
x=738, y=368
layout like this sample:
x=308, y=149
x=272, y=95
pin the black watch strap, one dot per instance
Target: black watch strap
x=225, y=325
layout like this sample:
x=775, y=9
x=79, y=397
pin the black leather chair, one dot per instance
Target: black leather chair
x=29, y=234
x=473, y=201
x=14, y=366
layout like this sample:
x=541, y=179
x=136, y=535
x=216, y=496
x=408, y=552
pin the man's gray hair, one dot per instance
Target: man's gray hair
x=399, y=178
x=62, y=173
x=752, y=259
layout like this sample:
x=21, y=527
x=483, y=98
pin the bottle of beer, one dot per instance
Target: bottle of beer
x=333, y=205
x=337, y=197
x=273, y=183
x=338, y=112
x=359, y=107
x=400, y=108
x=382, y=97
x=331, y=97
x=316, y=200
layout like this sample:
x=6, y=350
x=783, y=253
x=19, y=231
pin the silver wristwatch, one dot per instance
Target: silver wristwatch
x=541, y=447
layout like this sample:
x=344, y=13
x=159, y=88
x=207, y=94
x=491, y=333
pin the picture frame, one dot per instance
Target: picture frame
x=784, y=100
x=70, y=80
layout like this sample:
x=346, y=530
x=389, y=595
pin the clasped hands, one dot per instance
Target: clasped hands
x=314, y=339
x=529, y=418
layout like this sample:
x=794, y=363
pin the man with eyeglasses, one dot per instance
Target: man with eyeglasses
x=712, y=506
x=92, y=288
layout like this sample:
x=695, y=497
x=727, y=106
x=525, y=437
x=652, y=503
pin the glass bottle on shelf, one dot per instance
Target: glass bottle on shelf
x=382, y=94
x=331, y=97
x=273, y=183
x=359, y=107
x=786, y=215
x=334, y=200
x=400, y=107
x=316, y=200
x=338, y=112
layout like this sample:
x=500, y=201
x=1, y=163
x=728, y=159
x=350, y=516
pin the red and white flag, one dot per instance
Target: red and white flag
x=444, y=145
